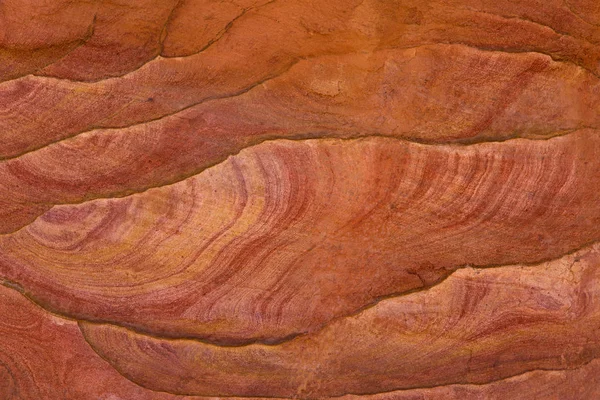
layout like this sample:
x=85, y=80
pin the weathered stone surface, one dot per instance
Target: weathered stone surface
x=304, y=198
x=286, y=236
x=43, y=356
x=478, y=326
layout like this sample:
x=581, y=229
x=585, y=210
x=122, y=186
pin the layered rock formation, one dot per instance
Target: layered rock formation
x=300, y=199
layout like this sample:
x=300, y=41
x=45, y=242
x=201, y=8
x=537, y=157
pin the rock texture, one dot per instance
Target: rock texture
x=300, y=199
x=476, y=327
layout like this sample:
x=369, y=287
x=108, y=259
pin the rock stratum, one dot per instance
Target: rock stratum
x=376, y=199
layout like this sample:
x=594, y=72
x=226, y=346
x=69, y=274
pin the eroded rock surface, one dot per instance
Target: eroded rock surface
x=305, y=198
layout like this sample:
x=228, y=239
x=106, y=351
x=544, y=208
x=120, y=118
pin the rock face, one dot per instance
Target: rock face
x=303, y=199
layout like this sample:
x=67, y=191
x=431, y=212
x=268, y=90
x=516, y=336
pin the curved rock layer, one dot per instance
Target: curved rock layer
x=286, y=236
x=301, y=198
x=428, y=93
x=147, y=31
x=45, y=356
x=283, y=34
x=411, y=94
x=486, y=324
x=575, y=384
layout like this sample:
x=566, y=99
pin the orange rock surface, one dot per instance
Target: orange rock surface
x=387, y=199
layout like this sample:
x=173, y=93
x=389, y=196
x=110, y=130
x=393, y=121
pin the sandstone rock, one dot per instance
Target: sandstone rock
x=299, y=199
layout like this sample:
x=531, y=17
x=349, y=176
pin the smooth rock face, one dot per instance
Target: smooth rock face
x=387, y=199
